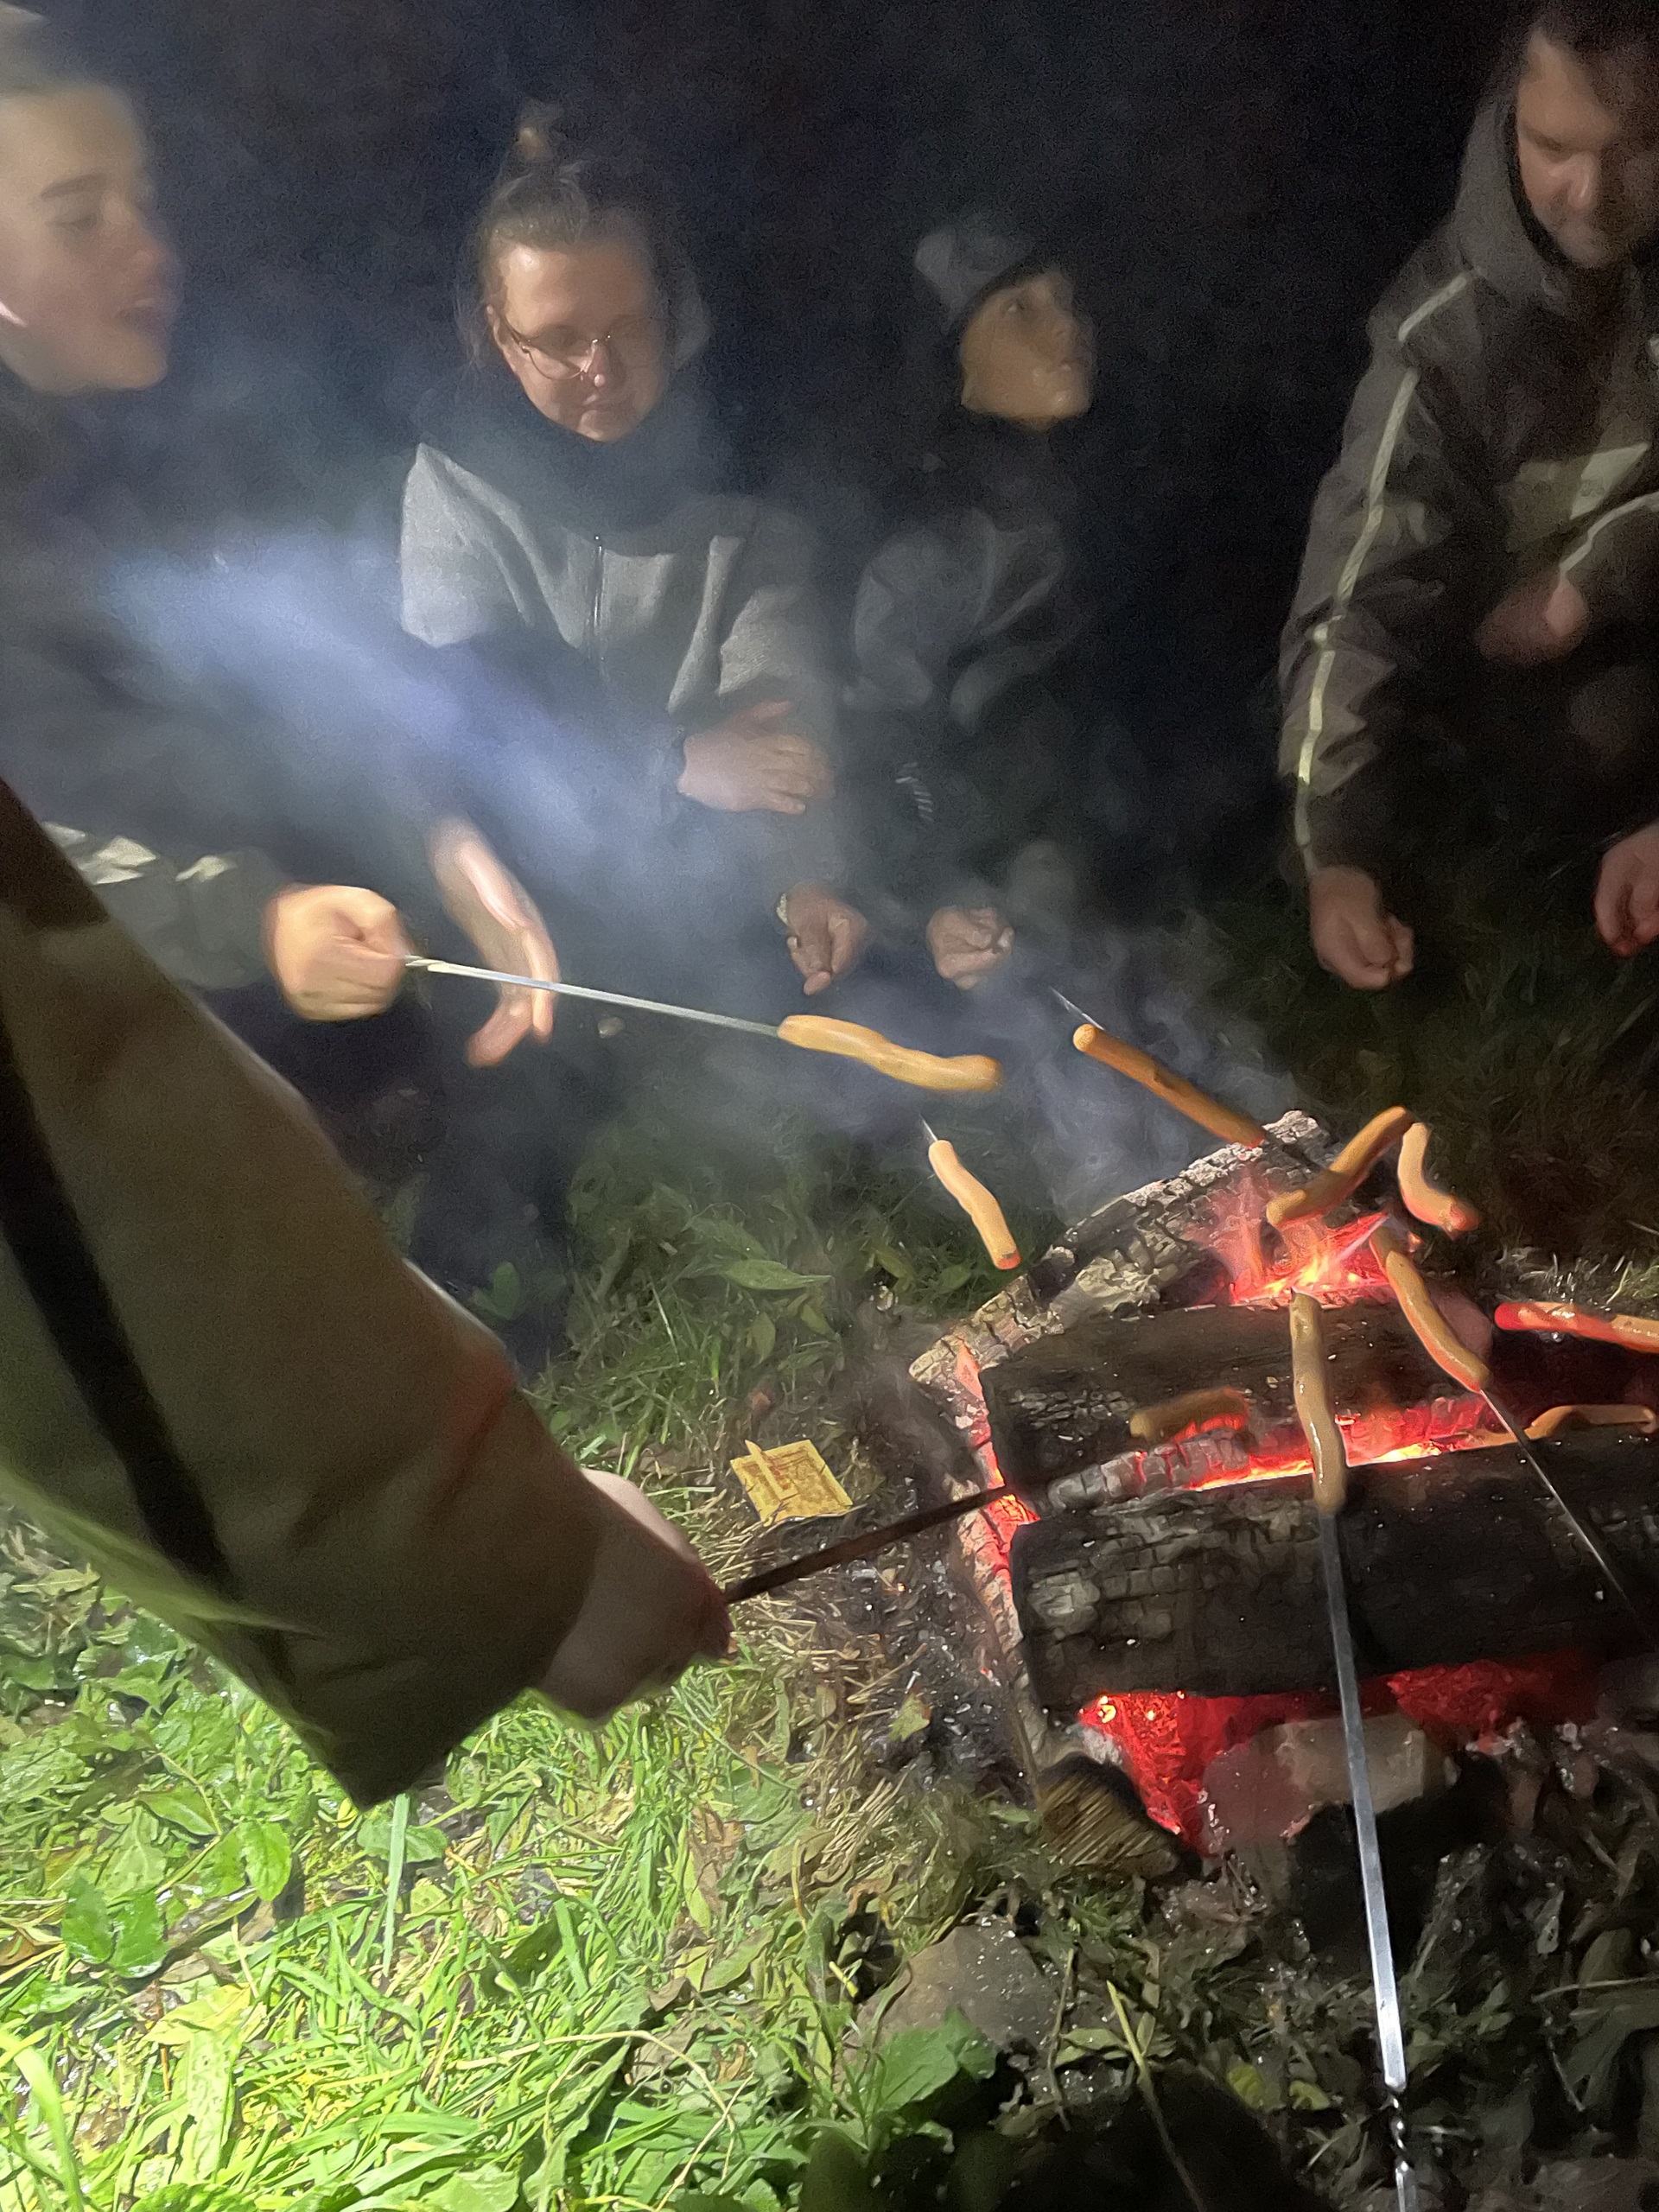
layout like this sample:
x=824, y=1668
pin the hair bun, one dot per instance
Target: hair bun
x=541, y=140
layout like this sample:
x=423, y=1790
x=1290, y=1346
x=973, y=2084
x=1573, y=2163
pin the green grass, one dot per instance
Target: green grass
x=602, y=1969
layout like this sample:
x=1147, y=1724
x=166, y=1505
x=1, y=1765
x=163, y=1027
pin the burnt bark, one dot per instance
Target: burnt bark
x=1449, y=1559
x=1065, y=1403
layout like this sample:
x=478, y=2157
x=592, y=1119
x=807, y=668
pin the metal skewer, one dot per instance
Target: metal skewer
x=1330, y=1494
x=584, y=991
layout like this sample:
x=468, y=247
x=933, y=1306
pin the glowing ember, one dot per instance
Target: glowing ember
x=1165, y=1741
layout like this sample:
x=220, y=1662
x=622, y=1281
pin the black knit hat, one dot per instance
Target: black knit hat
x=963, y=260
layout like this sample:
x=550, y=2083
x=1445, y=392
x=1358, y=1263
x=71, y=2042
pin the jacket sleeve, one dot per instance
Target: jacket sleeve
x=405, y=1548
x=774, y=648
x=202, y=924
x=1615, y=563
x=1400, y=564
x=454, y=578
x=924, y=597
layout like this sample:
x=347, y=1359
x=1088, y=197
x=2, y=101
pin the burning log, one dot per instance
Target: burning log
x=1450, y=1558
x=1068, y=1402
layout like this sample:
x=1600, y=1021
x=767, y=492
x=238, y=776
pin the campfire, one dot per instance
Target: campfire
x=1153, y=1577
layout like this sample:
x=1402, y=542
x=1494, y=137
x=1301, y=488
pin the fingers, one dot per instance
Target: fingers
x=1364, y=954
x=809, y=949
x=1627, y=895
x=968, y=943
x=336, y=951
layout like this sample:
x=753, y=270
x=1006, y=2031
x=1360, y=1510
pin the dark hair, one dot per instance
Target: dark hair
x=34, y=59
x=1595, y=30
x=551, y=193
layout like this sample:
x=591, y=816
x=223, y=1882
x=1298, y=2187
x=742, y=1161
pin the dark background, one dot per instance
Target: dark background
x=1244, y=175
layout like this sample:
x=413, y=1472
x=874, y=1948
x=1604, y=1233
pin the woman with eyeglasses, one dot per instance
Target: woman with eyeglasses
x=569, y=484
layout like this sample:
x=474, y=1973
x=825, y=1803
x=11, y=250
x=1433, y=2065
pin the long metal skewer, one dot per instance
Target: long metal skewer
x=1330, y=1460
x=582, y=991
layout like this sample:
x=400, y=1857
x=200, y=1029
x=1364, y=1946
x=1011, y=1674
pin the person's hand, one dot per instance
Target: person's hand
x=499, y=916
x=754, y=763
x=651, y=1612
x=1542, y=619
x=1627, y=892
x=1354, y=934
x=966, y=942
x=826, y=936
x=337, y=952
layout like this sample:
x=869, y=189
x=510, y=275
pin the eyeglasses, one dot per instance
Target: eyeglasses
x=562, y=354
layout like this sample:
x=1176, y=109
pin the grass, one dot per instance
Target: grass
x=602, y=1969
x=620, y=1969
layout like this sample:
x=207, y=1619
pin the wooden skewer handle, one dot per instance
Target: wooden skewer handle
x=1174, y=1090
x=1634, y=1331
x=1154, y=1425
x=1424, y=1198
x=817, y=1033
x=1429, y=1325
x=1313, y=1397
x=976, y=1201
x=1344, y=1174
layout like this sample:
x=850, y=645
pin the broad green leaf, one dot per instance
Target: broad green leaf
x=140, y=1935
x=88, y=1926
x=225, y=2007
x=763, y=1335
x=486, y=2189
x=835, y=2179
x=136, y=1863
x=267, y=1857
x=180, y=1810
x=422, y=1844
x=209, y=2072
x=1248, y=2085
x=913, y=2066
x=760, y=1274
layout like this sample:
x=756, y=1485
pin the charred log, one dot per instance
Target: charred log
x=1449, y=1560
x=1066, y=1402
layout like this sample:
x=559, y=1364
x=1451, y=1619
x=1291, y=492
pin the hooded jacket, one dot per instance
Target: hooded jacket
x=222, y=1383
x=963, y=617
x=1507, y=424
x=692, y=603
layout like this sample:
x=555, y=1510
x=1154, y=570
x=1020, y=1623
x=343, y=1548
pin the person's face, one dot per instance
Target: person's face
x=1588, y=145
x=581, y=331
x=1027, y=354
x=88, y=292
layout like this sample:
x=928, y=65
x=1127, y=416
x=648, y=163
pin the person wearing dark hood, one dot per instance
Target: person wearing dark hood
x=568, y=485
x=1475, y=613
x=148, y=790
x=968, y=746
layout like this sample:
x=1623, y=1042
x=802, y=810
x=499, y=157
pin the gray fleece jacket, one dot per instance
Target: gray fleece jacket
x=691, y=602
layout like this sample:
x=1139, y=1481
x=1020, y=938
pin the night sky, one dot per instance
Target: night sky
x=1243, y=177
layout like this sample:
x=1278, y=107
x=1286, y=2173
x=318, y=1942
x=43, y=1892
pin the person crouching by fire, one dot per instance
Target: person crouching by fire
x=568, y=484
x=153, y=797
x=1471, y=655
x=222, y=1384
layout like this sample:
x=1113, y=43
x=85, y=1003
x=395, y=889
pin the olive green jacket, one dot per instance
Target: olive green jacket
x=271, y=1430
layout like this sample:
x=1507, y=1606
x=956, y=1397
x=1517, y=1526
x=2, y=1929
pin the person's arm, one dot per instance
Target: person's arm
x=453, y=564
x=252, y=1415
x=1400, y=564
x=203, y=924
x=924, y=597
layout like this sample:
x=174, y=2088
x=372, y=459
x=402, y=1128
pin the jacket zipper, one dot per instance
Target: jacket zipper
x=592, y=612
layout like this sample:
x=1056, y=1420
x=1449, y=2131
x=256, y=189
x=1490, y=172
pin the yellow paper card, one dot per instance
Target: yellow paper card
x=790, y=1483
